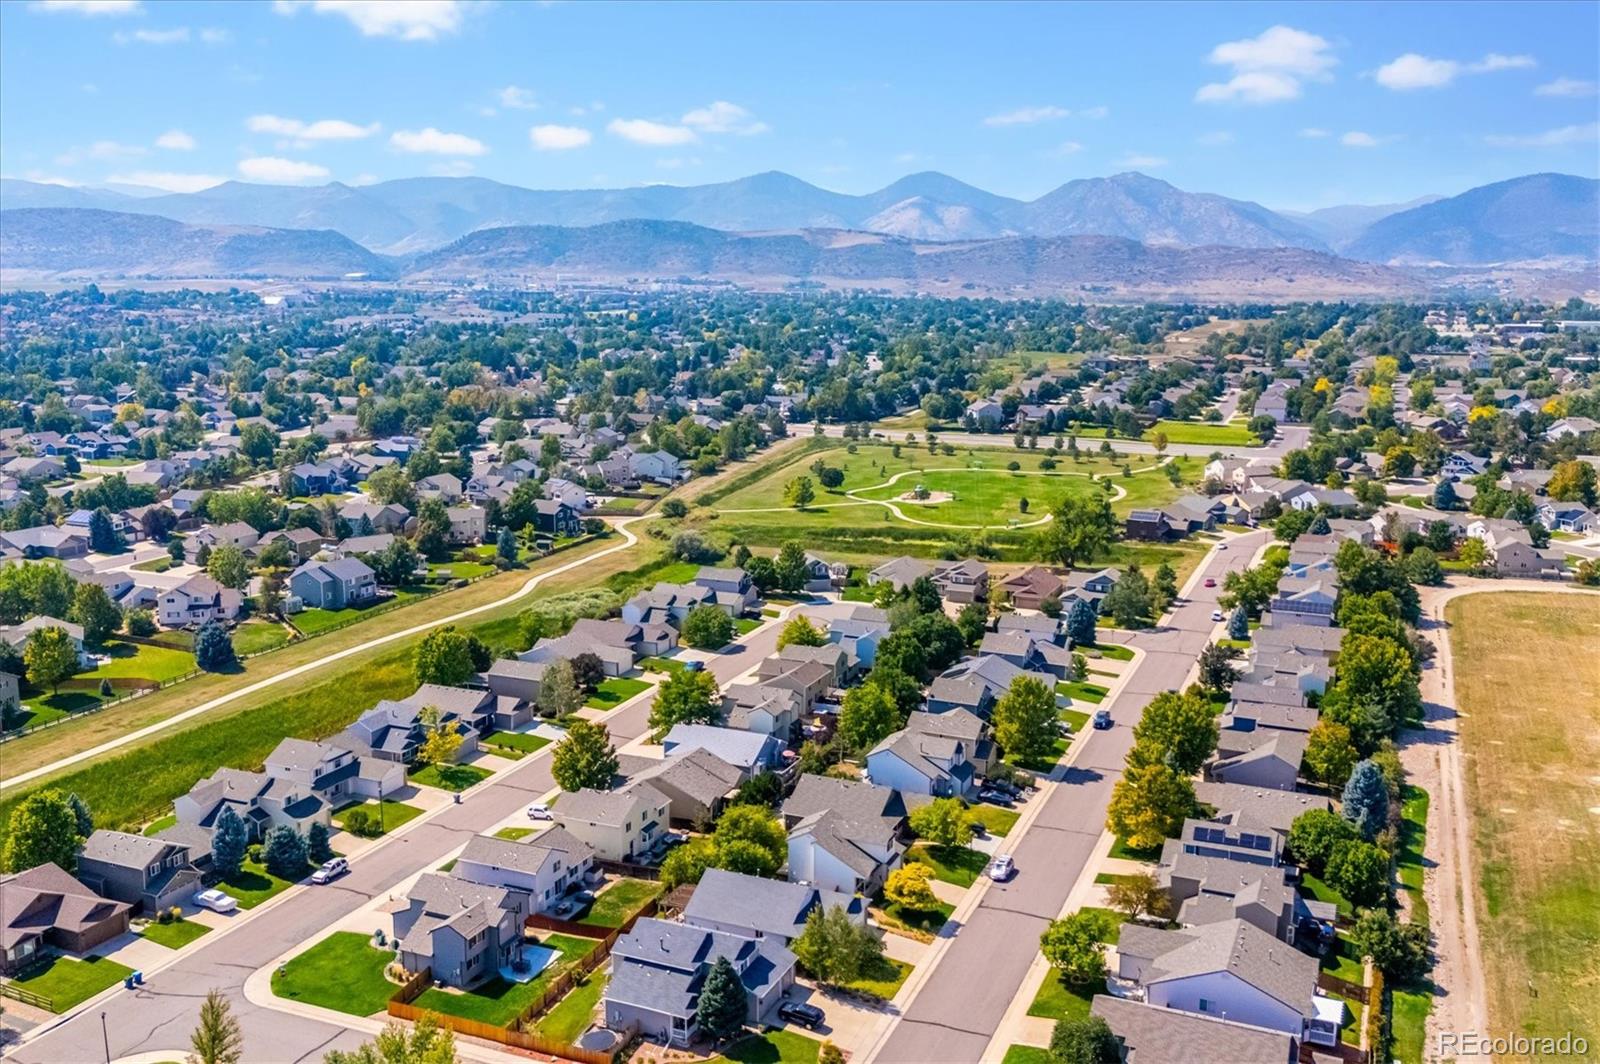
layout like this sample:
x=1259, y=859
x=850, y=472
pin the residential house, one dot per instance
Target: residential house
x=263, y=802
x=146, y=873
x=46, y=541
x=468, y=524
x=752, y=752
x=44, y=909
x=464, y=933
x=753, y=907
x=556, y=518
x=394, y=731
x=197, y=600
x=1032, y=588
x=844, y=835
x=16, y=636
x=622, y=825
x=735, y=591
x=334, y=585
x=1152, y=1035
x=917, y=763
x=698, y=784
x=545, y=868
x=332, y=773
x=667, y=604
x=659, y=968
x=1264, y=757
x=389, y=517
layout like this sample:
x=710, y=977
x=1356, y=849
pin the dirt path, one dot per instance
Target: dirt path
x=1432, y=757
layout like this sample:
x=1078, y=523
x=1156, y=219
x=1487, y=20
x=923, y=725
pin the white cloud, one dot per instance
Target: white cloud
x=1268, y=68
x=1068, y=147
x=1550, y=138
x=305, y=133
x=43, y=177
x=724, y=117
x=1413, y=71
x=1567, y=87
x=212, y=35
x=167, y=180
x=175, y=140
x=1215, y=139
x=431, y=141
x=1313, y=133
x=559, y=138
x=100, y=149
x=1027, y=116
x=517, y=98
x=85, y=7
x=1137, y=161
x=406, y=20
x=176, y=35
x=1357, y=139
x=276, y=171
x=652, y=134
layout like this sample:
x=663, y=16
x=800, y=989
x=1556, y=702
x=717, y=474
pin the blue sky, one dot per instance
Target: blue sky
x=1293, y=105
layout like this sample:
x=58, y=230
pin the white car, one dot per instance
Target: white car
x=330, y=870
x=540, y=811
x=1216, y=615
x=216, y=901
x=1001, y=868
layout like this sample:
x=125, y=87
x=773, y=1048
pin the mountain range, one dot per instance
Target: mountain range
x=1530, y=217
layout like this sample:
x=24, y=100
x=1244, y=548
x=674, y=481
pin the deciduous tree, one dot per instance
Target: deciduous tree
x=585, y=759
x=708, y=628
x=1075, y=946
x=1025, y=719
x=42, y=829
x=1177, y=730
x=1148, y=804
x=685, y=698
x=50, y=656
x=942, y=822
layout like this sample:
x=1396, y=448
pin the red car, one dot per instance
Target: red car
x=1210, y=582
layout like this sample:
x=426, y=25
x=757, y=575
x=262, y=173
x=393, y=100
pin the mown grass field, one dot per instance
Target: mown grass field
x=1527, y=683
x=343, y=972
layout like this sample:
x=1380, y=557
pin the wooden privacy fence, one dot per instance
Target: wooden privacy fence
x=540, y=922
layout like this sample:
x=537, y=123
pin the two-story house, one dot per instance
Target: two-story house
x=148, y=874
x=622, y=825
x=334, y=585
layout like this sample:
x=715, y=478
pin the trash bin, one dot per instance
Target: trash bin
x=138, y=979
x=127, y=982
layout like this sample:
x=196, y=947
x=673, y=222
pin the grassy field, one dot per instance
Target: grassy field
x=449, y=777
x=174, y=935
x=67, y=982
x=1527, y=682
x=517, y=743
x=1408, y=861
x=343, y=972
x=137, y=784
x=499, y=1002
x=1409, y=1022
x=316, y=621
x=614, y=691
x=254, y=884
x=394, y=813
x=620, y=900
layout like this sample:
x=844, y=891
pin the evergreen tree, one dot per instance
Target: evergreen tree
x=228, y=844
x=317, y=847
x=1081, y=622
x=213, y=648
x=103, y=536
x=284, y=852
x=721, y=1009
x=1239, y=623
x=506, y=544
x=217, y=1039
x=81, y=815
x=1366, y=799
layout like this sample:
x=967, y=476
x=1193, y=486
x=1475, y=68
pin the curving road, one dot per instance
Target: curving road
x=628, y=540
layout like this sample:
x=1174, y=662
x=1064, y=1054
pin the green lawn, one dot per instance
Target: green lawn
x=995, y=819
x=1076, y=718
x=254, y=884
x=1408, y=1021
x=1314, y=886
x=1020, y=1054
x=315, y=621
x=960, y=865
x=1107, y=879
x=449, y=777
x=1203, y=433
x=613, y=906
x=927, y=921
x=174, y=935
x=771, y=1047
x=1408, y=861
x=518, y=743
x=154, y=565
x=497, y=1001
x=746, y=625
x=68, y=982
x=253, y=637
x=155, y=827
x=570, y=1017
x=1340, y=963
x=1043, y=765
x=883, y=979
x=616, y=690
x=1114, y=651
x=1060, y=1000
x=858, y=593
x=676, y=573
x=343, y=972
x=513, y=834
x=142, y=662
x=986, y=493
x=1121, y=849
x=394, y=813
x=1081, y=691
x=662, y=665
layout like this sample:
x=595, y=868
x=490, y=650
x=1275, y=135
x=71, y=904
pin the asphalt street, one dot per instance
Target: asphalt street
x=957, y=1011
x=160, y=1015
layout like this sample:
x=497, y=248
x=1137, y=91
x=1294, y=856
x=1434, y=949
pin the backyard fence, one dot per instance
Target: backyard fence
x=27, y=997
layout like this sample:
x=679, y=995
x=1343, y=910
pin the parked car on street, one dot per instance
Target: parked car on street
x=1216, y=615
x=1102, y=719
x=808, y=1016
x=216, y=901
x=330, y=870
x=1001, y=868
x=540, y=811
x=1211, y=582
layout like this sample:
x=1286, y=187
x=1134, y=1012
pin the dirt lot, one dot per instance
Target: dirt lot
x=1527, y=683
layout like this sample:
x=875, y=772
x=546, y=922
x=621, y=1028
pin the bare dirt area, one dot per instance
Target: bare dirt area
x=1508, y=753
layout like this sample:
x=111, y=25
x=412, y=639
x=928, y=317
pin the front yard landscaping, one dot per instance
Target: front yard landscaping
x=620, y=900
x=394, y=814
x=1042, y=765
x=343, y=972
x=614, y=691
x=1076, y=719
x=254, y=884
x=498, y=1002
x=922, y=921
x=771, y=1047
x=1058, y=999
x=746, y=625
x=1122, y=851
x=449, y=777
x=661, y=665
x=1020, y=1054
x=1114, y=651
x=175, y=934
x=996, y=820
x=884, y=978
x=960, y=865
x=67, y=981
x=1082, y=691
x=515, y=744
x=513, y=834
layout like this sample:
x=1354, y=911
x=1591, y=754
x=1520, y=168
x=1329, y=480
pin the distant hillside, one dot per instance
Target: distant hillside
x=1112, y=267
x=73, y=242
x=1526, y=218
x=1340, y=226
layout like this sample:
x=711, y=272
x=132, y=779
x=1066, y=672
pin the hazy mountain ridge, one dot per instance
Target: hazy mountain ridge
x=1534, y=217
